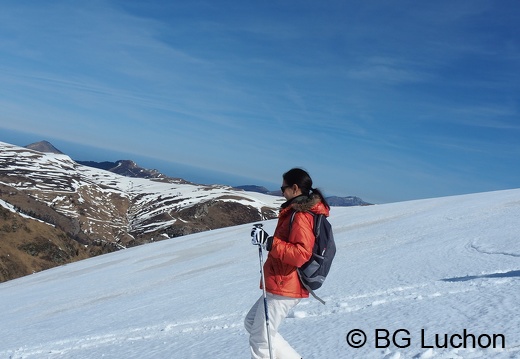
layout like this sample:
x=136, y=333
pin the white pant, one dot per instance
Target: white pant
x=278, y=308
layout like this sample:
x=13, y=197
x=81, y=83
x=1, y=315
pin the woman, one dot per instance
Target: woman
x=289, y=248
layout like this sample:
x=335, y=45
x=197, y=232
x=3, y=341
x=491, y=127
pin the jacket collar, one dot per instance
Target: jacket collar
x=304, y=203
x=296, y=200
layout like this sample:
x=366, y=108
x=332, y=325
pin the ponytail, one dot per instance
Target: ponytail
x=322, y=198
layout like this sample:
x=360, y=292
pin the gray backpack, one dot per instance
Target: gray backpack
x=313, y=273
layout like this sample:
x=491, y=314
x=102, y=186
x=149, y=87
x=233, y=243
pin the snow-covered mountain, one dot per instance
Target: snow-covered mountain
x=100, y=208
x=106, y=202
x=436, y=278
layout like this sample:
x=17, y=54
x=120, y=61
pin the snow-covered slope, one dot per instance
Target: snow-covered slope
x=424, y=270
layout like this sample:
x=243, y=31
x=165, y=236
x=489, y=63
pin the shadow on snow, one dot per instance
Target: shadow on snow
x=511, y=274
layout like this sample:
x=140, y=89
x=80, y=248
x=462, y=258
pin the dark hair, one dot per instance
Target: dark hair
x=304, y=181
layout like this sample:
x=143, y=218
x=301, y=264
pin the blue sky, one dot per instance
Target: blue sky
x=388, y=101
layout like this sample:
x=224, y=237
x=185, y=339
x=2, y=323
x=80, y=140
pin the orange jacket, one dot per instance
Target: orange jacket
x=291, y=249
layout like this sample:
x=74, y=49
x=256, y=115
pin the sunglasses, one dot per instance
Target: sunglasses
x=283, y=188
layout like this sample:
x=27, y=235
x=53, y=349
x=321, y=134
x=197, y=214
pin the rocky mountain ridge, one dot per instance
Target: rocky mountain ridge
x=127, y=168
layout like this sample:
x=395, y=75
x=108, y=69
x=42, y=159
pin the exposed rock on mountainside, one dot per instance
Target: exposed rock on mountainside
x=44, y=146
x=105, y=211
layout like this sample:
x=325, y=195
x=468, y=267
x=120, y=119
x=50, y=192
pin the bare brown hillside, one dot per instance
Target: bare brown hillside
x=28, y=246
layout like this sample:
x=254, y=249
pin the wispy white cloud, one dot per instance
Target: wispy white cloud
x=493, y=117
x=387, y=71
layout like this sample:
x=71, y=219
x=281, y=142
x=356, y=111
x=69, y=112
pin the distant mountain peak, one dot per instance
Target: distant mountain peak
x=126, y=168
x=346, y=201
x=253, y=188
x=44, y=146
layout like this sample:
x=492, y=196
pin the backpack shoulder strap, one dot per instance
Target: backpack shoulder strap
x=316, y=221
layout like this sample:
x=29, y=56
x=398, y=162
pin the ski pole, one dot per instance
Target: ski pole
x=260, y=255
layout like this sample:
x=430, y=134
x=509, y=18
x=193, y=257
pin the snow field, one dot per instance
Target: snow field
x=425, y=270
